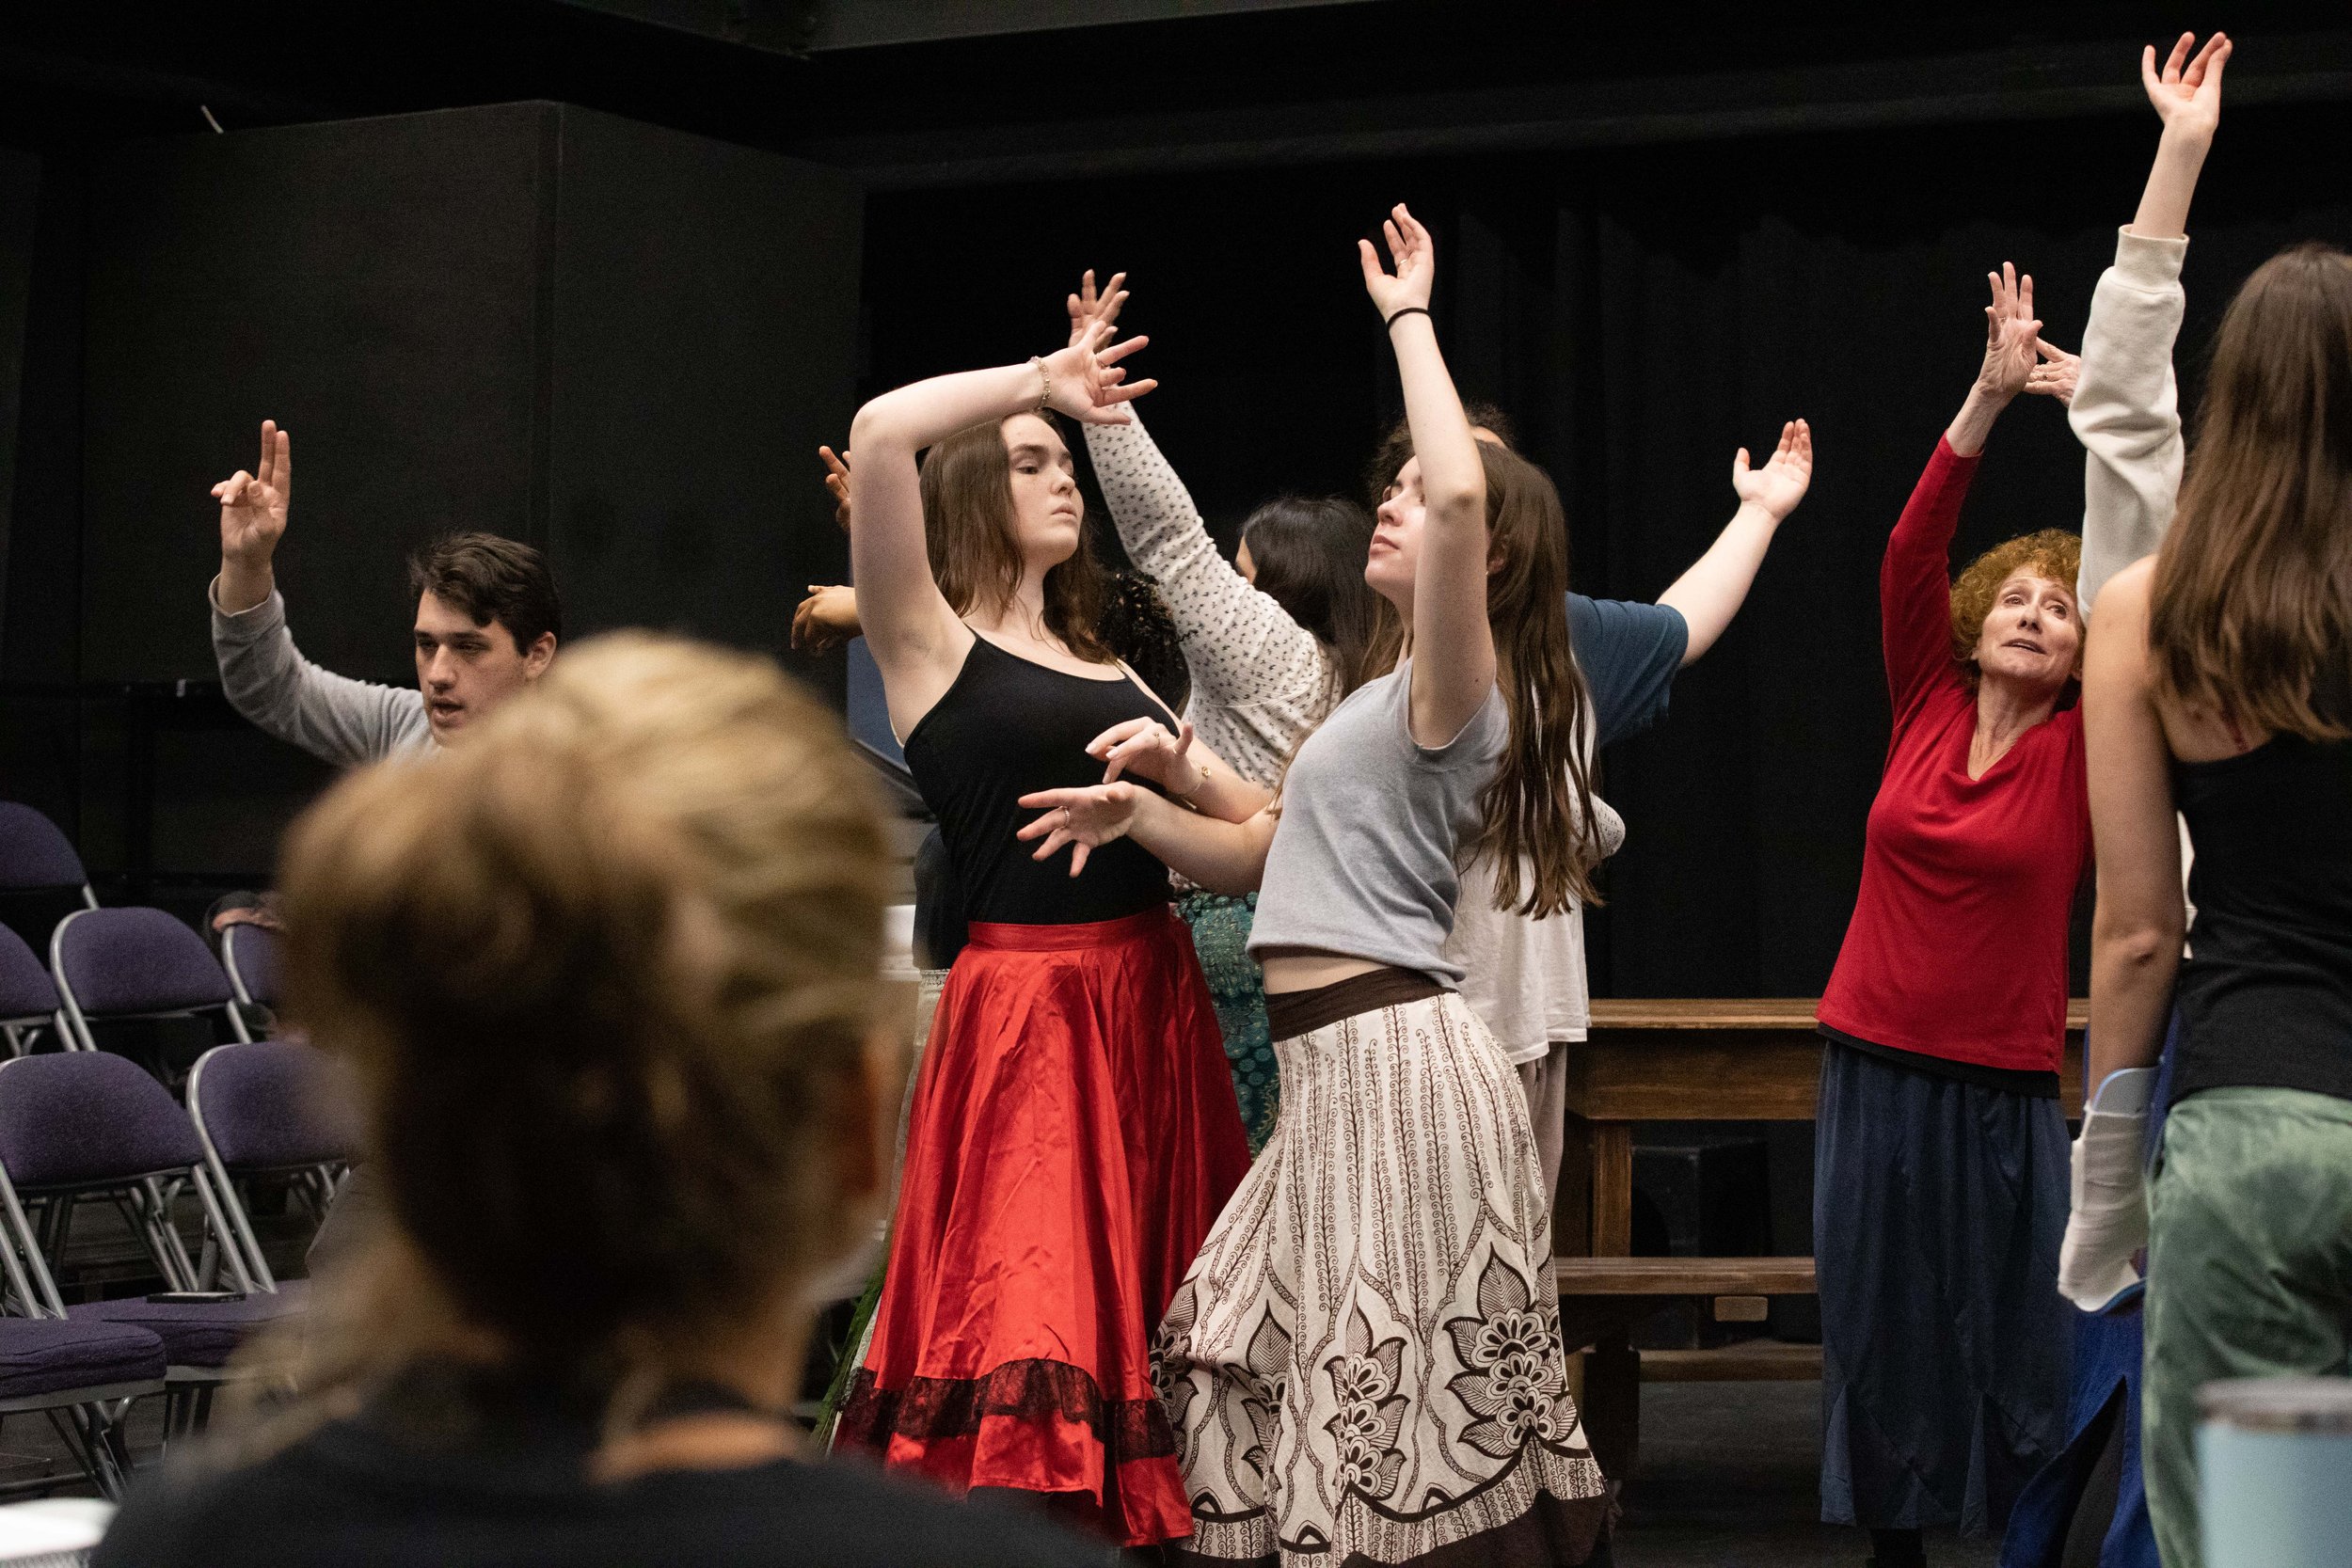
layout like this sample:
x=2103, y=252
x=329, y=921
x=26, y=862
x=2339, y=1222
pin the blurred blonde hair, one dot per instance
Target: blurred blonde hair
x=605, y=977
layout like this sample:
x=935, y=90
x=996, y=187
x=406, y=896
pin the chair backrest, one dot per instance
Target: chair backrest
x=26, y=989
x=34, y=852
x=273, y=1104
x=114, y=963
x=249, y=953
x=88, y=1118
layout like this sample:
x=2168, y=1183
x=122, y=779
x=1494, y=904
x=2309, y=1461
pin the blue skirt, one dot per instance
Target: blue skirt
x=1938, y=1208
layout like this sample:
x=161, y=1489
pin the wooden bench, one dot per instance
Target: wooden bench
x=1686, y=1060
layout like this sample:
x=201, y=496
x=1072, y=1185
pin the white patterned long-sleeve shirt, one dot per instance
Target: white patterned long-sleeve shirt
x=1260, y=682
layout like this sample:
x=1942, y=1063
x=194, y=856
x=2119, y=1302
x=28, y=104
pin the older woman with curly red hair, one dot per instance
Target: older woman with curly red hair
x=1941, y=1150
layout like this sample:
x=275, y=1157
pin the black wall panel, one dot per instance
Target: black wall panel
x=372, y=285
x=705, y=330
x=612, y=340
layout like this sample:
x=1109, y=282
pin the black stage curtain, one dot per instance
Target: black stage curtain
x=1640, y=312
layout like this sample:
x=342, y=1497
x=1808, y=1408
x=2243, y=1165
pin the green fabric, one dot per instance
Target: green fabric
x=1220, y=935
x=2249, y=1270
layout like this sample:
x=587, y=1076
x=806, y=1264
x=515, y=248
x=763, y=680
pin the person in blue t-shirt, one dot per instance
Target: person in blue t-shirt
x=1525, y=976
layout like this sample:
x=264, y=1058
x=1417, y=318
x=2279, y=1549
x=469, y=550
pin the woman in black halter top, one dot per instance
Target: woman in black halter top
x=2218, y=684
x=1073, y=1131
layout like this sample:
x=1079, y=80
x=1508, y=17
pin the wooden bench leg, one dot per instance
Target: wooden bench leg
x=1612, y=1405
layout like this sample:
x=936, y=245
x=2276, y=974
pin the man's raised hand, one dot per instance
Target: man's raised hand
x=253, y=505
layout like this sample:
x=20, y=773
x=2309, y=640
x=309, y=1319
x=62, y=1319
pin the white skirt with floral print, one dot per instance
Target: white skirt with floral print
x=1364, y=1363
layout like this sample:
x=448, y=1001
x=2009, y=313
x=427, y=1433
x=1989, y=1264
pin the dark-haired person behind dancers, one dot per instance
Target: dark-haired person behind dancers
x=1940, y=1149
x=1365, y=1364
x=1073, y=1131
x=2219, y=684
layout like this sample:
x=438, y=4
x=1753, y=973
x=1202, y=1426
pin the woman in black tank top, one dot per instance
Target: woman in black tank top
x=2219, y=683
x=1072, y=1132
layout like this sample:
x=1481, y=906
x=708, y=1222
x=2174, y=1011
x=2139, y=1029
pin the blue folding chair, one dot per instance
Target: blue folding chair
x=272, y=1108
x=83, y=1124
x=37, y=857
x=250, y=955
x=135, y=963
x=28, y=998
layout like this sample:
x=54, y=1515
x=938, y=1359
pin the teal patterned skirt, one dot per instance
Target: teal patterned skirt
x=1220, y=935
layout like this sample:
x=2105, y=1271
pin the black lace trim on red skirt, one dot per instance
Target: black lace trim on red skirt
x=930, y=1409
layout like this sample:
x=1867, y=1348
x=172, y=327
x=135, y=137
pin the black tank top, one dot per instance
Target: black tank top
x=1007, y=727
x=2267, y=992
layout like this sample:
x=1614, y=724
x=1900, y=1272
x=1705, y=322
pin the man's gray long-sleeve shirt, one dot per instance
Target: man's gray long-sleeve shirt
x=345, y=721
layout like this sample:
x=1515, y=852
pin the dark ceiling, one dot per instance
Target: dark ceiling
x=968, y=91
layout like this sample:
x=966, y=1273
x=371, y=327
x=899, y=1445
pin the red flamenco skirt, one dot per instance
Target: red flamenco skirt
x=1073, y=1137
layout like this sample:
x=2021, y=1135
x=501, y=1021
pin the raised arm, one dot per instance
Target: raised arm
x=264, y=675
x=253, y=509
x=1914, y=582
x=2136, y=934
x=1454, y=650
x=917, y=638
x=2187, y=98
x=2126, y=407
x=1241, y=646
x=1710, y=593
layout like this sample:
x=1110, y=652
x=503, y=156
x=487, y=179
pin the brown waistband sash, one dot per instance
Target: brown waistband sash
x=1291, y=1013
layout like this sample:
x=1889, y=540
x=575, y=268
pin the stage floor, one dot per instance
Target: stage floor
x=1729, y=1478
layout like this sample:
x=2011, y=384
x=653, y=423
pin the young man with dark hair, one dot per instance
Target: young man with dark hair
x=488, y=622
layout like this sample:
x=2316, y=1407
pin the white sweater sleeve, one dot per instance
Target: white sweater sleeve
x=2126, y=409
x=1243, y=649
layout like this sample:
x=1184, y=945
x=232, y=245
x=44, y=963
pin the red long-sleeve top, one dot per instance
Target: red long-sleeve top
x=1956, y=947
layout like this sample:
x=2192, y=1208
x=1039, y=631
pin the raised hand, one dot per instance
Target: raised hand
x=2188, y=91
x=2056, y=376
x=826, y=619
x=1086, y=307
x=1416, y=260
x=253, y=505
x=1086, y=382
x=837, y=483
x=1781, y=482
x=1144, y=748
x=1086, y=818
x=2010, y=331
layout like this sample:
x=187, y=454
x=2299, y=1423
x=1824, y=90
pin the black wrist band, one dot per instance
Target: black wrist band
x=1411, y=310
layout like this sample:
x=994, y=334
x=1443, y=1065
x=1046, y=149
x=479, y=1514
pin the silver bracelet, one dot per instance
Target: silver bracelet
x=1044, y=384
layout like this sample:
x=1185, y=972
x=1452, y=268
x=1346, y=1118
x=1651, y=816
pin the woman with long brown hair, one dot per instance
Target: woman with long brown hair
x=1073, y=1132
x=2219, y=685
x=1364, y=1364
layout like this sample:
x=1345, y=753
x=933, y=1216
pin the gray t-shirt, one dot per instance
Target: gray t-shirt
x=332, y=717
x=1362, y=862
